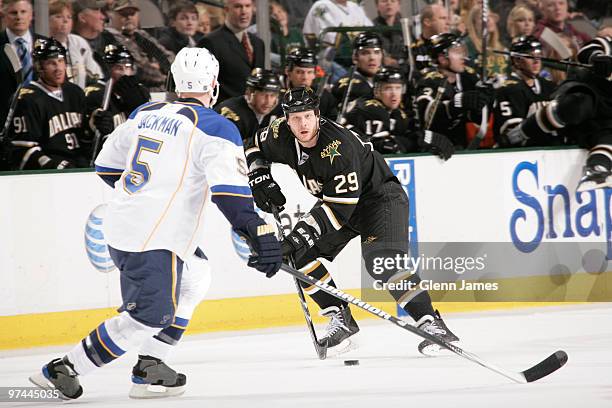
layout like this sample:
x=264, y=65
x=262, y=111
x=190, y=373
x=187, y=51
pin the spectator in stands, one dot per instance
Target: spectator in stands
x=253, y=111
x=284, y=37
x=434, y=20
x=81, y=68
x=151, y=58
x=217, y=17
x=497, y=65
x=521, y=22
x=297, y=11
x=204, y=22
x=89, y=24
x=237, y=51
x=554, y=17
x=17, y=15
x=393, y=41
x=183, y=20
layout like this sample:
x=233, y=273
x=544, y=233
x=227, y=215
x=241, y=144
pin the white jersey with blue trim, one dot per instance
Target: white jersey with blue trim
x=169, y=157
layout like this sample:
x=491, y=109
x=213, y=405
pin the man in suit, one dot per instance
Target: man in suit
x=238, y=52
x=17, y=19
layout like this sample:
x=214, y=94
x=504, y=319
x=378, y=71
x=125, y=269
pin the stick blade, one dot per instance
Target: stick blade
x=10, y=53
x=547, y=366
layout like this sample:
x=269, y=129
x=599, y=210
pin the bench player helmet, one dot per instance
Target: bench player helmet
x=300, y=100
x=45, y=49
x=439, y=44
x=301, y=57
x=196, y=70
x=526, y=45
x=263, y=80
x=117, y=54
x=367, y=40
x=388, y=75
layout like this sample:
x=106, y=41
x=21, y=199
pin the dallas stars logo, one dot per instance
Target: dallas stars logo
x=230, y=114
x=331, y=151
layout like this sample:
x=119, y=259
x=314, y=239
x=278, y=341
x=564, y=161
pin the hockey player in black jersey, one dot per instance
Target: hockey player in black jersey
x=358, y=196
x=523, y=91
x=367, y=58
x=300, y=71
x=48, y=131
x=448, y=97
x=382, y=122
x=126, y=94
x=581, y=111
x=254, y=110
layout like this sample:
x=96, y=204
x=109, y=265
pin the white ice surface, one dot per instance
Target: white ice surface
x=278, y=368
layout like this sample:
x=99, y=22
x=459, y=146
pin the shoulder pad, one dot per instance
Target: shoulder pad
x=275, y=125
x=433, y=75
x=90, y=89
x=469, y=70
x=374, y=102
x=403, y=113
x=509, y=82
x=25, y=91
x=230, y=114
x=342, y=82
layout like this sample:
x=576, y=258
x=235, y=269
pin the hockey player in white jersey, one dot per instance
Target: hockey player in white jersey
x=163, y=163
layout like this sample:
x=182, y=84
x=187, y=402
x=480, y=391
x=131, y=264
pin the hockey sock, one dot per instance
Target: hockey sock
x=160, y=345
x=414, y=300
x=318, y=271
x=109, y=341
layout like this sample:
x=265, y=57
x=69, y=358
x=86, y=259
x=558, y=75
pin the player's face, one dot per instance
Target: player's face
x=263, y=102
x=53, y=71
x=304, y=126
x=369, y=60
x=60, y=23
x=390, y=95
x=120, y=70
x=300, y=76
x=456, y=59
x=530, y=67
x=186, y=23
x=18, y=17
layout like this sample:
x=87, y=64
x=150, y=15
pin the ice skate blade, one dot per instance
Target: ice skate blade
x=147, y=391
x=41, y=381
x=344, y=347
x=433, y=350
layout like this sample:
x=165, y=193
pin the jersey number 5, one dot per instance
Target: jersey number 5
x=140, y=172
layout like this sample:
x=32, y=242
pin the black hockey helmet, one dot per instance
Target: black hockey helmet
x=300, y=100
x=389, y=75
x=263, y=80
x=440, y=43
x=301, y=57
x=47, y=48
x=526, y=45
x=367, y=39
x=117, y=54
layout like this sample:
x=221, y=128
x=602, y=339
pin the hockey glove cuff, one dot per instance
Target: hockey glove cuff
x=266, y=193
x=301, y=239
x=130, y=93
x=437, y=144
x=267, y=256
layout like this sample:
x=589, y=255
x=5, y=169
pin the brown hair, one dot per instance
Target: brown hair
x=182, y=7
x=57, y=6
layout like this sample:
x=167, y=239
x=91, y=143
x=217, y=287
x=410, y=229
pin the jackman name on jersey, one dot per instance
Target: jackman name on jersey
x=159, y=123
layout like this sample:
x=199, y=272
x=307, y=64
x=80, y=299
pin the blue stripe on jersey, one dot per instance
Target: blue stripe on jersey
x=109, y=175
x=108, y=170
x=188, y=113
x=179, y=321
x=215, y=125
x=108, y=342
x=224, y=189
x=146, y=107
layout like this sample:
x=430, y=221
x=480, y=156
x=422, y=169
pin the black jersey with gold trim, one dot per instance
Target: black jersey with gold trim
x=340, y=170
x=94, y=96
x=49, y=125
x=238, y=111
x=361, y=87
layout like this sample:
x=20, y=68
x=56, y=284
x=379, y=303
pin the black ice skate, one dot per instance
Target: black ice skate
x=59, y=375
x=152, y=378
x=434, y=325
x=594, y=177
x=341, y=326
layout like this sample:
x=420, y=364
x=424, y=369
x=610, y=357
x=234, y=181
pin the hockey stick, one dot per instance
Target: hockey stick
x=346, y=96
x=545, y=367
x=320, y=350
x=16, y=65
x=543, y=59
x=482, y=131
x=405, y=23
x=97, y=135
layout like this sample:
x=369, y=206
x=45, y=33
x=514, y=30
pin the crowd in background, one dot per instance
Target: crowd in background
x=300, y=56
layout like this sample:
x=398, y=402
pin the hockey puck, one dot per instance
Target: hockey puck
x=351, y=362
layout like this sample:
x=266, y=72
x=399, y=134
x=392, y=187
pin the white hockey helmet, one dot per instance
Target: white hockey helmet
x=196, y=70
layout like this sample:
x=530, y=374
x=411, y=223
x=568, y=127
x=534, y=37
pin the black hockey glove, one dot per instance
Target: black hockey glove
x=437, y=144
x=266, y=193
x=602, y=65
x=130, y=93
x=515, y=136
x=301, y=239
x=267, y=256
x=474, y=101
x=103, y=121
x=384, y=143
x=47, y=162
